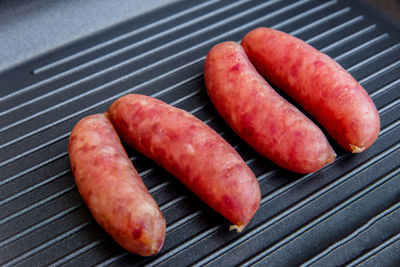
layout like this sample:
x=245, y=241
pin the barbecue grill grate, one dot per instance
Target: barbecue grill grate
x=346, y=213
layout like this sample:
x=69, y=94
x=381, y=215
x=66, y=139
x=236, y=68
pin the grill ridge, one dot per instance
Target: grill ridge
x=196, y=214
x=353, y=235
x=374, y=57
x=244, y=237
x=149, y=66
x=175, y=103
x=371, y=42
x=255, y=231
x=53, y=124
x=336, y=29
x=130, y=60
x=303, y=14
x=7, y=180
x=47, y=244
x=66, y=117
x=321, y=21
x=308, y=177
x=141, y=174
x=384, y=88
x=323, y=217
x=30, y=169
x=29, y=189
x=124, y=36
x=28, y=88
x=19, y=139
x=37, y=204
x=39, y=225
x=375, y=251
x=381, y=71
x=77, y=252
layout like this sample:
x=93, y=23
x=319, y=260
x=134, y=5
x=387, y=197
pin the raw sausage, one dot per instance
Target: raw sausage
x=112, y=189
x=259, y=115
x=191, y=151
x=319, y=84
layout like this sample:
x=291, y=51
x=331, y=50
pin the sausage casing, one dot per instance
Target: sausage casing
x=191, y=151
x=112, y=189
x=319, y=84
x=259, y=115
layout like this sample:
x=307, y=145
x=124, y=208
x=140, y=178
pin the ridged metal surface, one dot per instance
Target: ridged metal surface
x=346, y=213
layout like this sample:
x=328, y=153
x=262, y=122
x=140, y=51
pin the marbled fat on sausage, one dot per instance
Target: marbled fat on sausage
x=259, y=115
x=319, y=84
x=191, y=151
x=112, y=189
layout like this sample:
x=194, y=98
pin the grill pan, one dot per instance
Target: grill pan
x=346, y=213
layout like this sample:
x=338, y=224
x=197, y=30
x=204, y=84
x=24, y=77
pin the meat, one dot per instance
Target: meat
x=259, y=115
x=112, y=189
x=191, y=151
x=319, y=84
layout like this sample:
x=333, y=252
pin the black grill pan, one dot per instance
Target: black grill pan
x=346, y=213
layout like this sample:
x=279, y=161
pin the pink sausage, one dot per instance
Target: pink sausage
x=112, y=189
x=192, y=152
x=319, y=84
x=260, y=116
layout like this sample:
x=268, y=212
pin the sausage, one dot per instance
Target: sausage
x=259, y=115
x=319, y=84
x=192, y=152
x=112, y=189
